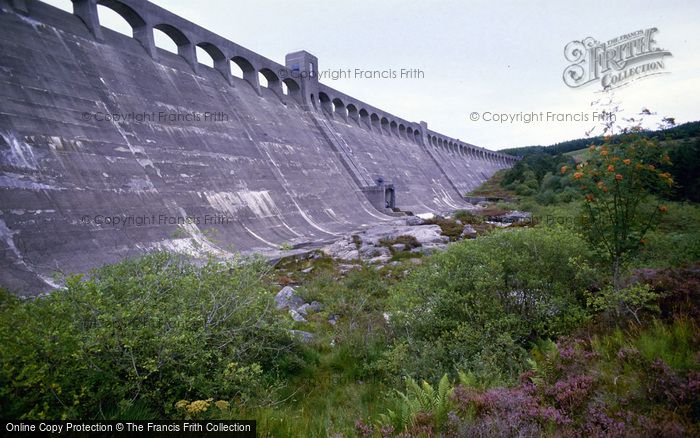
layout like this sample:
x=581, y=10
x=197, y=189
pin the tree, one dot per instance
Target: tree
x=616, y=183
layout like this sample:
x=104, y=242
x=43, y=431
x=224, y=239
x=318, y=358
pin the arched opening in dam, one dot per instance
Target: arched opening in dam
x=203, y=57
x=364, y=119
x=166, y=37
x=240, y=67
x=353, y=114
x=339, y=109
x=118, y=17
x=326, y=104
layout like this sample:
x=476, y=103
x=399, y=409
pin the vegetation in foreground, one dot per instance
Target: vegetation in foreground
x=523, y=331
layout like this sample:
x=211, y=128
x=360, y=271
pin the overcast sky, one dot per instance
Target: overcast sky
x=476, y=56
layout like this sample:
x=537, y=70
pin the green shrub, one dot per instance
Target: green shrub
x=524, y=190
x=478, y=304
x=550, y=182
x=547, y=197
x=627, y=302
x=141, y=335
x=568, y=194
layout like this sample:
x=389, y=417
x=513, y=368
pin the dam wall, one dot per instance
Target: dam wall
x=111, y=147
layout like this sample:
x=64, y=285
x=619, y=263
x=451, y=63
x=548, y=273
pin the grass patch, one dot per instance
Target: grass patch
x=468, y=217
x=357, y=241
x=405, y=255
x=448, y=226
x=409, y=242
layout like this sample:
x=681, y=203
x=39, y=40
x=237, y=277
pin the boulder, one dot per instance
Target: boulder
x=379, y=260
x=302, y=335
x=512, y=216
x=426, y=234
x=296, y=316
x=428, y=249
x=353, y=254
x=413, y=221
x=288, y=299
x=468, y=232
x=370, y=252
x=499, y=224
x=343, y=249
x=344, y=269
x=307, y=308
x=371, y=248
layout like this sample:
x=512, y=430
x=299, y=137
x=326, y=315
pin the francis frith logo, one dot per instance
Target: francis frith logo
x=616, y=62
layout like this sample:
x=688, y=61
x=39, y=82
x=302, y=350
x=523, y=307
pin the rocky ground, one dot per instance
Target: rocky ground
x=403, y=240
x=417, y=235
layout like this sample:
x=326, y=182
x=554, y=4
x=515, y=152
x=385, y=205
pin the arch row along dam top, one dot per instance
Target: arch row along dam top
x=111, y=147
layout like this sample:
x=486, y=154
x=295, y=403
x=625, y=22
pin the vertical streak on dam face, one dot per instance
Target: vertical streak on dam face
x=111, y=147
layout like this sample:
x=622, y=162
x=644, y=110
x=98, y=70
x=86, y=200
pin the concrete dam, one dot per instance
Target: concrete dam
x=111, y=147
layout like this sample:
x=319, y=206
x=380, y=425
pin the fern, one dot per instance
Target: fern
x=468, y=379
x=543, y=362
x=441, y=405
x=420, y=398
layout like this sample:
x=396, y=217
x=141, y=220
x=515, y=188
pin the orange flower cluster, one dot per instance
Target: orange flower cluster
x=667, y=178
x=611, y=164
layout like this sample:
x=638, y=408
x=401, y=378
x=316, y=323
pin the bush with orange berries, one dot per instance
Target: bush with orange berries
x=615, y=184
